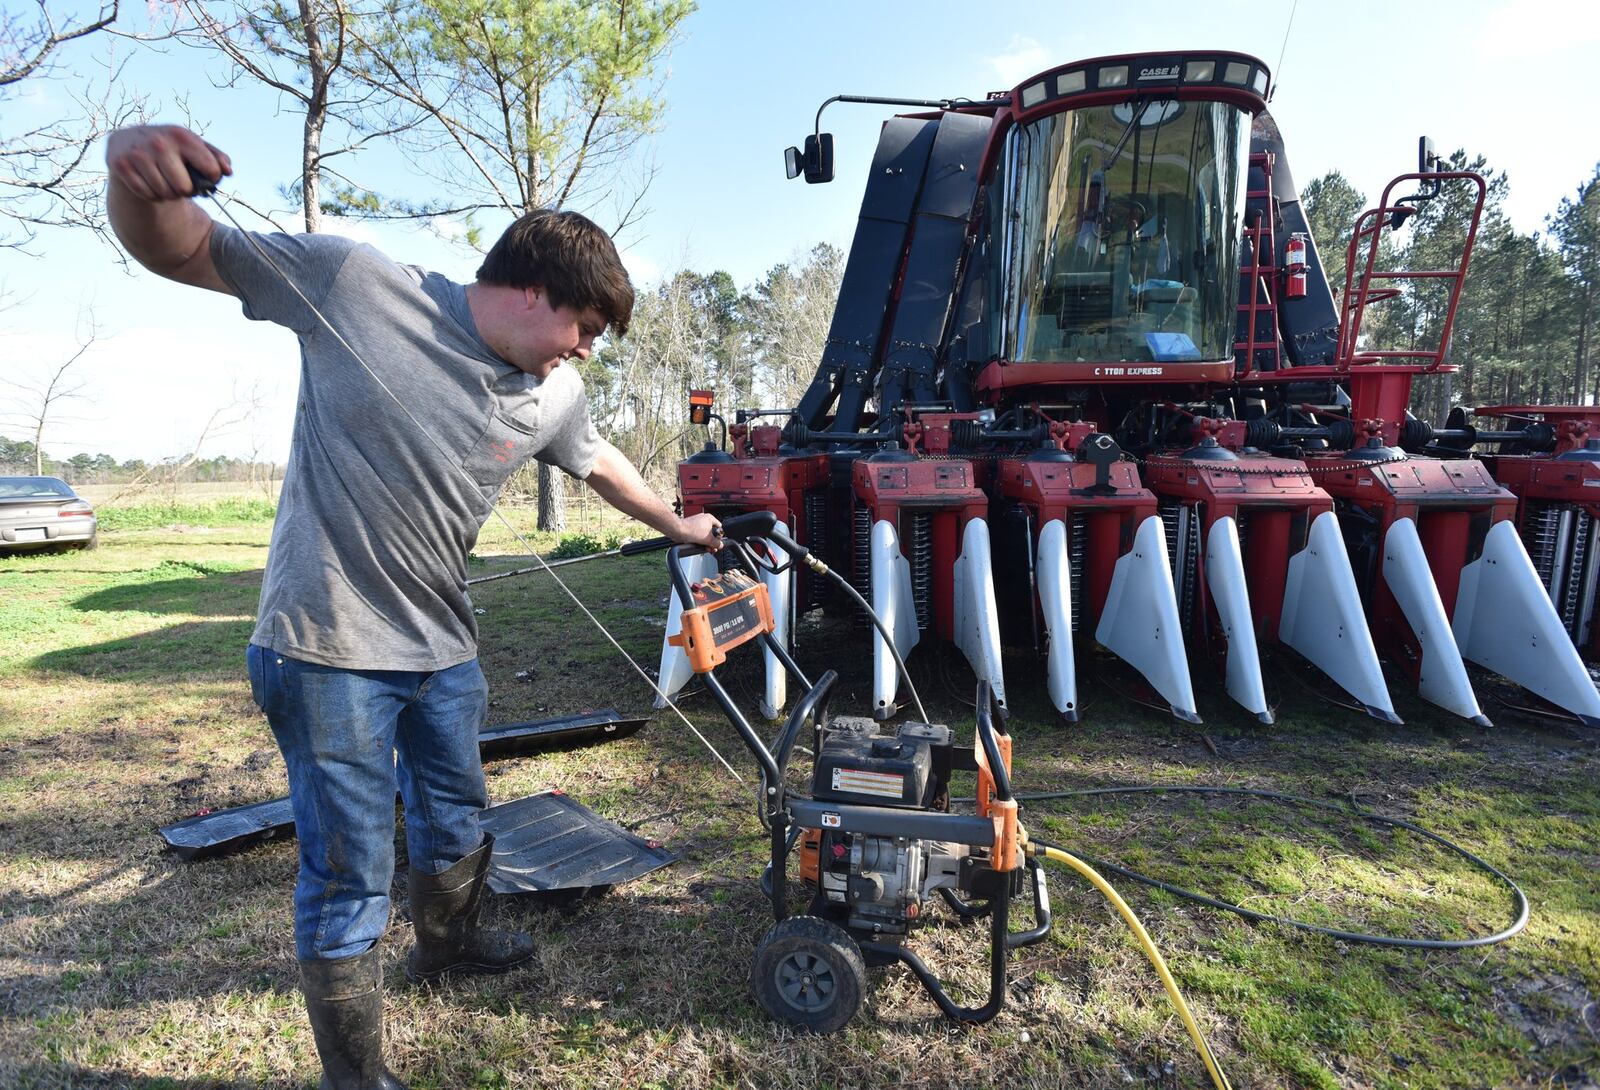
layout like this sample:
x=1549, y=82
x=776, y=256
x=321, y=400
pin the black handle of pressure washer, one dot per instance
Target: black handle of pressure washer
x=203, y=186
x=812, y=706
x=991, y=747
x=648, y=545
x=737, y=528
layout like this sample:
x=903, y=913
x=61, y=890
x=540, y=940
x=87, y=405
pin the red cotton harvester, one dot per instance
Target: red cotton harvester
x=1087, y=386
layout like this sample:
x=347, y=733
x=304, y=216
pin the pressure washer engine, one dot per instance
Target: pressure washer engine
x=873, y=831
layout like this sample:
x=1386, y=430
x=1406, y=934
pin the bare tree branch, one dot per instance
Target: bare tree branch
x=38, y=402
x=25, y=52
x=45, y=176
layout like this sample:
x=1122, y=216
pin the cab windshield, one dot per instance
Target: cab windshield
x=1119, y=233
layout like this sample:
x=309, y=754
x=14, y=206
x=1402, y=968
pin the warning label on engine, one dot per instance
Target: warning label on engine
x=884, y=784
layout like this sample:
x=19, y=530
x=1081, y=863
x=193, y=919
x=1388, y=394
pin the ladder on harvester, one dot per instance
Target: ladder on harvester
x=1360, y=292
x=1255, y=346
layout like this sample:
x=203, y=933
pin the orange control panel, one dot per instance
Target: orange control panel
x=729, y=609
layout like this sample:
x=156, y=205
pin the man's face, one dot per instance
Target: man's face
x=544, y=335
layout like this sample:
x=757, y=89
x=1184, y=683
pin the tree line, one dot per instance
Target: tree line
x=20, y=458
x=754, y=347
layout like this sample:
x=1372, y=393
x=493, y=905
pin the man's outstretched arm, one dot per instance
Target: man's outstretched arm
x=617, y=482
x=147, y=199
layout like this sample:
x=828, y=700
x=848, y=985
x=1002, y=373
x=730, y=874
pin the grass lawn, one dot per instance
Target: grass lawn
x=124, y=706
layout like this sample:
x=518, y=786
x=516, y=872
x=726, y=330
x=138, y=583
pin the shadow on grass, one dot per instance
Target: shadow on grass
x=173, y=650
x=7, y=569
x=177, y=652
x=203, y=591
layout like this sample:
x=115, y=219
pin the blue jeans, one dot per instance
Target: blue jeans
x=347, y=737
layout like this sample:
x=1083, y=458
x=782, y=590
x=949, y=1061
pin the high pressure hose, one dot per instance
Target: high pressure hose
x=1061, y=855
x=899, y=662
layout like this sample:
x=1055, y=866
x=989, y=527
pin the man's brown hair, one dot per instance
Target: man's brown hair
x=567, y=255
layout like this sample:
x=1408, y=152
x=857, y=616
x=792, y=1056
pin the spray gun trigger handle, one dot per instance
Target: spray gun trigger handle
x=202, y=186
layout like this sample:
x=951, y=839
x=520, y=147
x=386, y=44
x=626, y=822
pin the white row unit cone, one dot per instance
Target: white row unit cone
x=780, y=591
x=1225, y=580
x=1053, y=578
x=675, y=673
x=892, y=601
x=1139, y=623
x=1504, y=621
x=976, y=620
x=1442, y=679
x=1323, y=618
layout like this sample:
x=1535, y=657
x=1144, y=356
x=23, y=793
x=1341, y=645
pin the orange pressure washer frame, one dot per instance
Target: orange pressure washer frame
x=1007, y=854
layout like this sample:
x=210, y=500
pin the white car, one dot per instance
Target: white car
x=43, y=511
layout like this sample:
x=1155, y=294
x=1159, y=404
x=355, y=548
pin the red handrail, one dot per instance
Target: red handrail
x=1360, y=294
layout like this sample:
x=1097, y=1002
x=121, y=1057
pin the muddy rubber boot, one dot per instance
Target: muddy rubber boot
x=445, y=909
x=344, y=999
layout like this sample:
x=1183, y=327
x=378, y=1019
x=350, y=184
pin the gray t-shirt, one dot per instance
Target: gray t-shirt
x=367, y=567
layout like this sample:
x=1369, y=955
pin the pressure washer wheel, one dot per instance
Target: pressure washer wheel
x=809, y=974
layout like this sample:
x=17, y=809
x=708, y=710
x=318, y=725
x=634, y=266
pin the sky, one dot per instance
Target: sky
x=1358, y=82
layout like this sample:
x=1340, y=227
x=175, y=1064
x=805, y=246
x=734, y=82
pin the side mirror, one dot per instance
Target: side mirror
x=816, y=162
x=1427, y=159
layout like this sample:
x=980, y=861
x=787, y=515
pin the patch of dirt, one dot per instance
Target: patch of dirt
x=1554, y=1011
x=643, y=605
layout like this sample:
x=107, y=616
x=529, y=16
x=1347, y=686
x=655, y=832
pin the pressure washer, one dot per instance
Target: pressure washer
x=873, y=830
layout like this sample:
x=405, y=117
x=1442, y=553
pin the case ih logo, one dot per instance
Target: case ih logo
x=1168, y=72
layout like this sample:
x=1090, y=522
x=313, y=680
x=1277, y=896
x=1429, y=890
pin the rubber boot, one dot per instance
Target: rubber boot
x=344, y=999
x=445, y=909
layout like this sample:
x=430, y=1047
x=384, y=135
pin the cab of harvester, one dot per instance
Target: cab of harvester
x=1087, y=385
x=1110, y=235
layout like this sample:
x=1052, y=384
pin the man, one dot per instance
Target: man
x=364, y=651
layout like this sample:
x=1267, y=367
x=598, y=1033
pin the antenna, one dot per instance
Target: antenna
x=1277, y=69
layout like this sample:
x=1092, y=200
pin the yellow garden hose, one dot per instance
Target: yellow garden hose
x=1212, y=1068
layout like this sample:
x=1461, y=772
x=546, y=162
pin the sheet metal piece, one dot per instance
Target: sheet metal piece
x=551, y=843
x=561, y=733
x=223, y=832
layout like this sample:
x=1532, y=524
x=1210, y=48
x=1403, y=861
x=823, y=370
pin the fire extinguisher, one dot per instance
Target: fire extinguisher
x=1294, y=267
